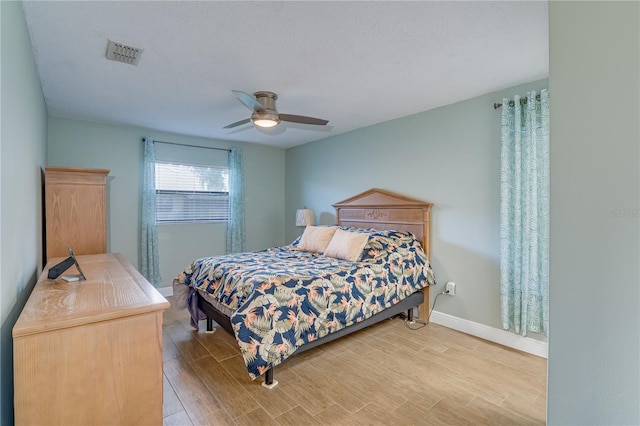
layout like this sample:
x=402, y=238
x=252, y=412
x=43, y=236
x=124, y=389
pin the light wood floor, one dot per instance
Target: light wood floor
x=385, y=374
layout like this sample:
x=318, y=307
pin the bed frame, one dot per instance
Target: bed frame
x=377, y=209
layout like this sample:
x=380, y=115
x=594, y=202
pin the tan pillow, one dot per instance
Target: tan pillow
x=347, y=245
x=316, y=238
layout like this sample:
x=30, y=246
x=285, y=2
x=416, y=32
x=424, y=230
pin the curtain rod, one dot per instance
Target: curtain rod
x=191, y=146
x=512, y=103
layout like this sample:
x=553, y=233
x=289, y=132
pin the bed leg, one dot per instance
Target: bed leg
x=410, y=315
x=209, y=325
x=269, y=383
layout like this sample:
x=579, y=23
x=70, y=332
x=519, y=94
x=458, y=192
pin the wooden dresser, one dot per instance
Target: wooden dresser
x=90, y=352
x=75, y=210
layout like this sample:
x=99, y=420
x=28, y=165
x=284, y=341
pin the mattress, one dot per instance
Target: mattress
x=282, y=298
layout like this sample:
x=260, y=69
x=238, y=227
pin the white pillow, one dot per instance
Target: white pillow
x=347, y=245
x=316, y=238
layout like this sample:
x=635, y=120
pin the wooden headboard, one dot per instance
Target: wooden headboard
x=381, y=209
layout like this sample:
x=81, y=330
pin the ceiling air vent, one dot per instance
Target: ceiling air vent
x=122, y=53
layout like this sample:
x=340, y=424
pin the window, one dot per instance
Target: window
x=191, y=193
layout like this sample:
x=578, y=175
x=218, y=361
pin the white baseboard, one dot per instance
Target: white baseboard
x=502, y=337
x=166, y=291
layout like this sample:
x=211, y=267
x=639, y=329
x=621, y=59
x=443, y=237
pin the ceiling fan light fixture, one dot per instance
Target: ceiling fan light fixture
x=266, y=122
x=265, y=118
x=265, y=114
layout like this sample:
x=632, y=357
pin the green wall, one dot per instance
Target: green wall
x=23, y=143
x=594, y=348
x=449, y=156
x=119, y=148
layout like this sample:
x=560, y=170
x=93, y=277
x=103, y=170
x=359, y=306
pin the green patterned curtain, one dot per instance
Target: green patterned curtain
x=235, y=224
x=149, y=257
x=524, y=214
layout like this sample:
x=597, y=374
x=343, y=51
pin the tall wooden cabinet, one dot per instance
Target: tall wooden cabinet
x=75, y=211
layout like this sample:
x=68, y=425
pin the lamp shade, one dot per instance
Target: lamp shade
x=305, y=217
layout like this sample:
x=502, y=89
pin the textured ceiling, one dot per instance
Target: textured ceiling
x=352, y=63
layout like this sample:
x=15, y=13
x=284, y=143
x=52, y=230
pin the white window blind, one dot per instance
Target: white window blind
x=191, y=193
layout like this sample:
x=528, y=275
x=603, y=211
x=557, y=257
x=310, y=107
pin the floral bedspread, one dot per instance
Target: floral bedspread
x=284, y=297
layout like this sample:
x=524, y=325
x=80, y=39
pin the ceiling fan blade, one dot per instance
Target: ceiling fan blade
x=248, y=100
x=303, y=119
x=237, y=123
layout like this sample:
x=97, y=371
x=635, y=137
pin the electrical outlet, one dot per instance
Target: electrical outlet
x=451, y=288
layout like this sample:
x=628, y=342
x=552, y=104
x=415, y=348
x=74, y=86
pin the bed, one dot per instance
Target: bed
x=285, y=300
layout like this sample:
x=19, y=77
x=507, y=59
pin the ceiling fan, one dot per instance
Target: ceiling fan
x=263, y=105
